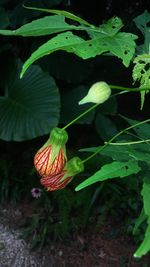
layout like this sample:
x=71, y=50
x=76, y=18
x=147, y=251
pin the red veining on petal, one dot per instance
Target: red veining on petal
x=43, y=165
x=41, y=159
x=58, y=163
x=53, y=182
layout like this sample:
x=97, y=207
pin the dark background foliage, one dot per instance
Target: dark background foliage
x=72, y=77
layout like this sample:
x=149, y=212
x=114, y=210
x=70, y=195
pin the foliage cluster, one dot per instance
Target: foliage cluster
x=35, y=98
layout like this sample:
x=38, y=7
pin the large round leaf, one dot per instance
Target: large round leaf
x=30, y=107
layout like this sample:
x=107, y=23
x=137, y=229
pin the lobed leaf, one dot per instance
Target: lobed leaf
x=141, y=73
x=121, y=45
x=111, y=170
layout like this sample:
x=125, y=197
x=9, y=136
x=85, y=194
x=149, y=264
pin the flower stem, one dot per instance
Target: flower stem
x=137, y=89
x=113, y=138
x=129, y=143
x=123, y=90
x=80, y=116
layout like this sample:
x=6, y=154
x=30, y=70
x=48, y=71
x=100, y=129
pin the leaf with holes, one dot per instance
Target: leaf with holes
x=142, y=22
x=111, y=170
x=141, y=73
x=111, y=27
x=30, y=107
x=121, y=45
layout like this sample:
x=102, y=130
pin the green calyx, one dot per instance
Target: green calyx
x=73, y=167
x=58, y=136
x=57, y=140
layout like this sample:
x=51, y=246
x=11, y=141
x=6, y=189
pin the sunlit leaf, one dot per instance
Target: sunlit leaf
x=141, y=73
x=121, y=45
x=111, y=170
x=42, y=26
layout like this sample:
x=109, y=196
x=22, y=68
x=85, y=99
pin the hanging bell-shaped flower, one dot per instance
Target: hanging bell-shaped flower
x=59, y=181
x=51, y=157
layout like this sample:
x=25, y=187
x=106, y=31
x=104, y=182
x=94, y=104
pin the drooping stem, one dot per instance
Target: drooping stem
x=123, y=90
x=113, y=138
x=80, y=116
x=129, y=143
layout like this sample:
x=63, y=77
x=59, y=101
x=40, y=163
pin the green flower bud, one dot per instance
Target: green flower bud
x=73, y=167
x=98, y=93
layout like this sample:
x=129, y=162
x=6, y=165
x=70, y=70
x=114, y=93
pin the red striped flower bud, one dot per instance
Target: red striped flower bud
x=51, y=158
x=59, y=181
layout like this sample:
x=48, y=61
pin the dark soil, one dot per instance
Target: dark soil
x=107, y=246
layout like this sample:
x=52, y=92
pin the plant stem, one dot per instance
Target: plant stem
x=129, y=143
x=88, y=110
x=113, y=138
x=124, y=90
x=137, y=89
x=80, y=116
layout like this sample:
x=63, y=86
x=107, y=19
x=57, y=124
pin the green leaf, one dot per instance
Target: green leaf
x=111, y=27
x=141, y=73
x=120, y=152
x=4, y=21
x=121, y=45
x=142, y=217
x=62, y=12
x=42, y=26
x=115, y=152
x=145, y=246
x=142, y=22
x=30, y=107
x=146, y=197
x=142, y=131
x=111, y=170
